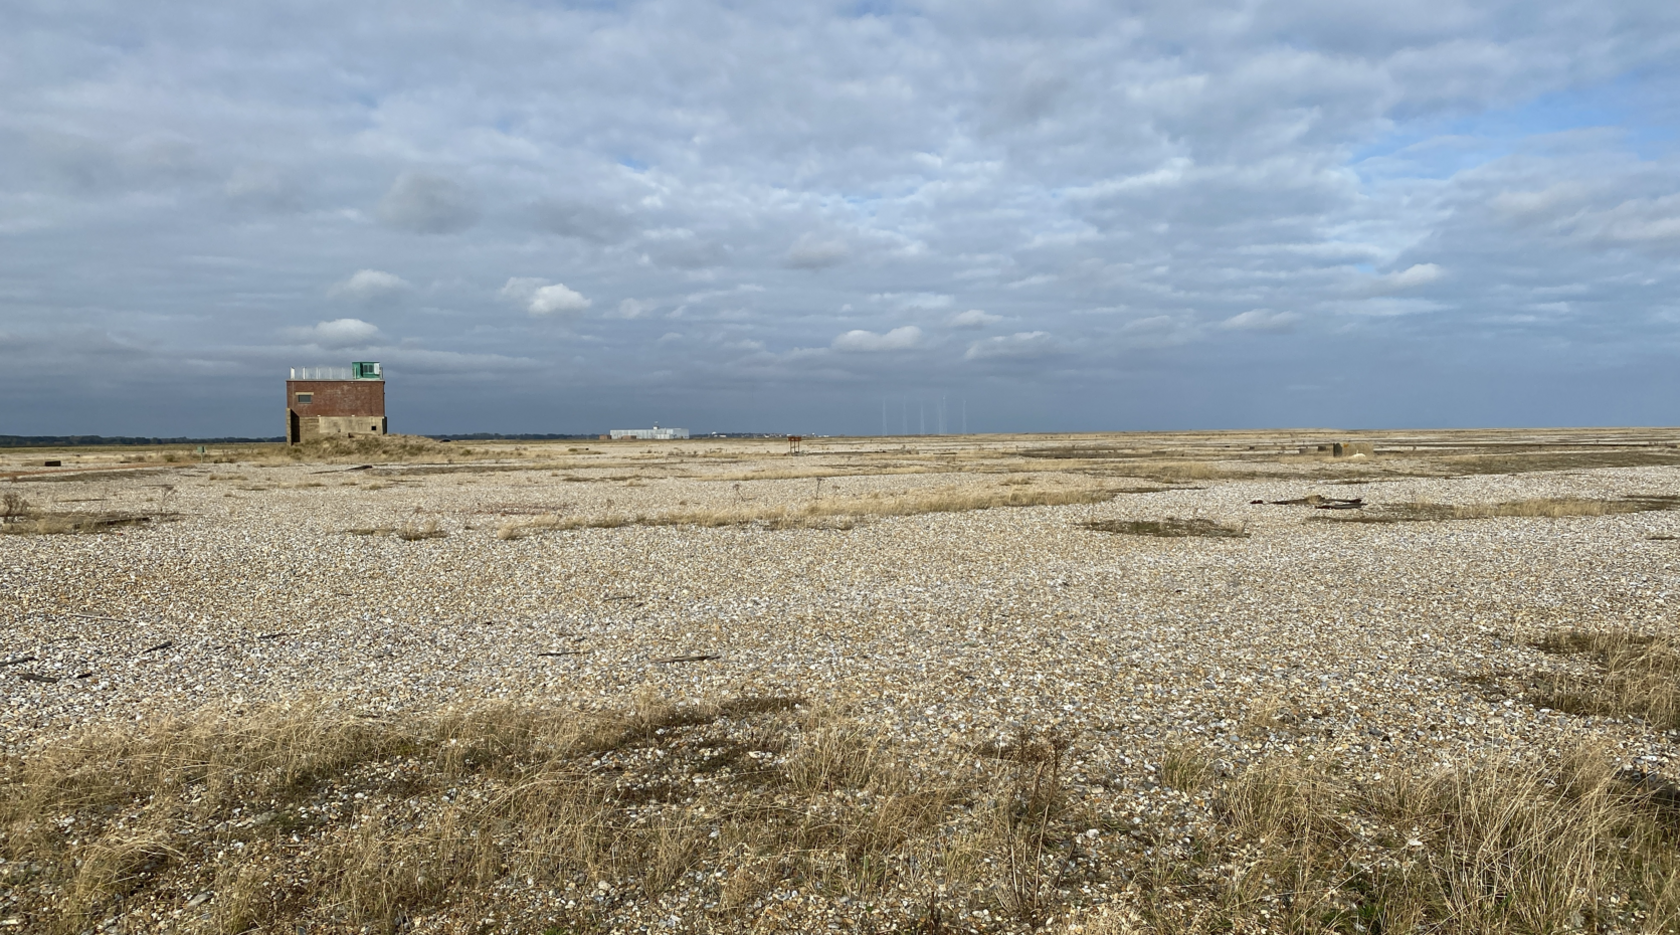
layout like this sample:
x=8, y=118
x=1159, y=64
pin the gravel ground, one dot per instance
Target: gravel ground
x=1370, y=644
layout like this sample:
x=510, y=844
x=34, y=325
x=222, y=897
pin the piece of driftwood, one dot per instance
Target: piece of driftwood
x=274, y=636
x=152, y=649
x=564, y=652
x=16, y=662
x=96, y=617
x=698, y=657
x=37, y=677
x=1321, y=502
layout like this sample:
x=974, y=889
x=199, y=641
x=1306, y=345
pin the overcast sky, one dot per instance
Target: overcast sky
x=786, y=216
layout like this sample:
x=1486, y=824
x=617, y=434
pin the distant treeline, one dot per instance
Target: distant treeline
x=64, y=441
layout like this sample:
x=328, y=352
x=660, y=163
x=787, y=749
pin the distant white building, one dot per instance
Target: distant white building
x=654, y=434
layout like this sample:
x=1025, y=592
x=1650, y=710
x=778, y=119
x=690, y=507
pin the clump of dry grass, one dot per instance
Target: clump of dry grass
x=1631, y=674
x=1170, y=528
x=1172, y=471
x=834, y=512
x=1495, y=847
x=19, y=518
x=423, y=529
x=1548, y=507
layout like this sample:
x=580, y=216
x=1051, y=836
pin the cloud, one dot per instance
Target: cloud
x=585, y=221
x=1414, y=185
x=681, y=248
x=898, y=339
x=973, y=318
x=340, y=332
x=428, y=204
x=632, y=308
x=1022, y=345
x=811, y=252
x=263, y=188
x=370, y=286
x=557, y=298
x=1261, y=319
x=1413, y=276
x=540, y=298
x=921, y=301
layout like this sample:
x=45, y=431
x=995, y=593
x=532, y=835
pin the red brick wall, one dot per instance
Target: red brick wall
x=337, y=397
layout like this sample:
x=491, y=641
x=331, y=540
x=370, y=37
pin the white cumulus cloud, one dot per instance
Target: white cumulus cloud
x=973, y=318
x=371, y=286
x=540, y=298
x=1421, y=274
x=897, y=339
x=340, y=332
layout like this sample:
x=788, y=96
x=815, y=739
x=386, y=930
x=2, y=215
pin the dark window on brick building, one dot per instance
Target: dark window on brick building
x=306, y=397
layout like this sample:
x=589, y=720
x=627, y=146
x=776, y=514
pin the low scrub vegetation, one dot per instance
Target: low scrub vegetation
x=374, y=449
x=1546, y=458
x=1628, y=674
x=834, y=512
x=1170, y=528
x=308, y=816
x=729, y=816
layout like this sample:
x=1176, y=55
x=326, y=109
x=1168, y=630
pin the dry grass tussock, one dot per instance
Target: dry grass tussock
x=308, y=817
x=834, y=512
x=422, y=529
x=18, y=517
x=1549, y=507
x=1630, y=675
x=1170, y=528
x=1496, y=847
x=373, y=449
